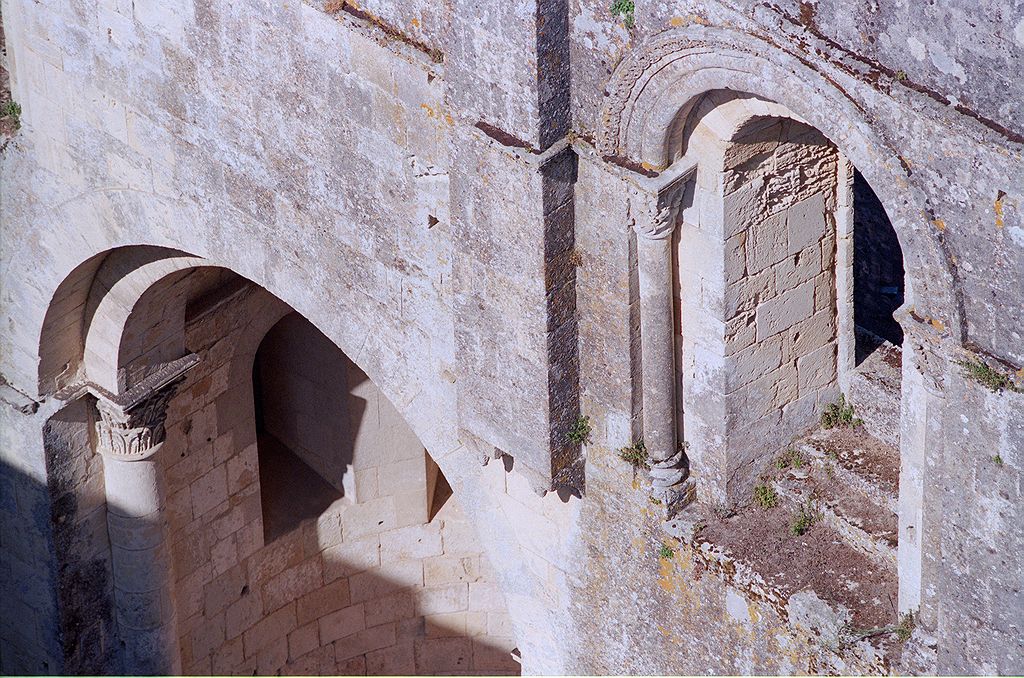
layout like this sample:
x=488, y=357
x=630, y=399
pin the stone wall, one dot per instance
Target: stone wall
x=366, y=586
x=429, y=187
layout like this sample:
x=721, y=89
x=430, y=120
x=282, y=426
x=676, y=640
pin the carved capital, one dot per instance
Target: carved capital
x=131, y=426
x=656, y=206
x=133, y=434
x=659, y=225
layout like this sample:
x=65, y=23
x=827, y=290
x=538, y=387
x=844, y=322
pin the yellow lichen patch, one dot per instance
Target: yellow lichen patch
x=754, y=611
x=939, y=224
x=668, y=579
x=678, y=21
x=431, y=113
x=415, y=23
x=938, y=324
x=1000, y=196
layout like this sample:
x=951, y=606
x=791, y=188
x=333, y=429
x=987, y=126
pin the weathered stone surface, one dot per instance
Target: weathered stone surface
x=443, y=191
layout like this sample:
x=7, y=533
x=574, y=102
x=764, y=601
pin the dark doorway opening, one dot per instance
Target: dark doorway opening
x=878, y=275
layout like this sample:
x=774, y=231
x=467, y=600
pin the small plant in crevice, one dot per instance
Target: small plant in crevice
x=997, y=460
x=901, y=75
x=722, y=510
x=989, y=377
x=839, y=415
x=791, y=458
x=635, y=455
x=804, y=517
x=625, y=10
x=580, y=431
x=666, y=552
x=12, y=109
x=655, y=501
x=905, y=628
x=765, y=496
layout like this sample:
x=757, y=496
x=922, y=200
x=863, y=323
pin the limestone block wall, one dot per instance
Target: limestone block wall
x=352, y=435
x=757, y=292
x=367, y=587
x=780, y=311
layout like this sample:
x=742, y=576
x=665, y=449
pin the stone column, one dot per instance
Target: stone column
x=130, y=433
x=654, y=223
x=847, y=338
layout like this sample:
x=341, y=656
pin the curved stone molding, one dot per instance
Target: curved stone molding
x=654, y=87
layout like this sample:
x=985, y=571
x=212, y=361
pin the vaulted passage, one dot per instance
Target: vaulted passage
x=325, y=432
x=270, y=510
x=788, y=275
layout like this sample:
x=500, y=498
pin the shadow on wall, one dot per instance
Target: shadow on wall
x=415, y=600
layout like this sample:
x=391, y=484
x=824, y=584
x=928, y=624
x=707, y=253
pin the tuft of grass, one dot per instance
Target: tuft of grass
x=804, y=517
x=791, y=458
x=987, y=376
x=580, y=431
x=839, y=415
x=905, y=628
x=635, y=455
x=625, y=10
x=666, y=552
x=11, y=109
x=765, y=496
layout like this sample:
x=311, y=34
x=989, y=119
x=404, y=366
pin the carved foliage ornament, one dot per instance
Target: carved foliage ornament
x=655, y=216
x=133, y=434
x=131, y=426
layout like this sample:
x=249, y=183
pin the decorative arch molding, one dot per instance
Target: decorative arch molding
x=64, y=246
x=70, y=248
x=652, y=91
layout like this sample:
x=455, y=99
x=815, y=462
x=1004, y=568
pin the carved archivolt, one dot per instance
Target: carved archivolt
x=652, y=89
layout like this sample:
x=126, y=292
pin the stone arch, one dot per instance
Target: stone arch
x=140, y=485
x=72, y=240
x=651, y=92
x=686, y=126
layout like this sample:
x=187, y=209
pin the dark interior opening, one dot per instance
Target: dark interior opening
x=878, y=275
x=293, y=365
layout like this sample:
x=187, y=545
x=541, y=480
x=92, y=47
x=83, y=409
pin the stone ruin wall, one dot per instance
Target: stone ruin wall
x=400, y=175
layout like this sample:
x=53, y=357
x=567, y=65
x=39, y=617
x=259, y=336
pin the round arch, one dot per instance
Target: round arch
x=652, y=91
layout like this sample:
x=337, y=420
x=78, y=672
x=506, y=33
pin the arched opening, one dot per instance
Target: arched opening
x=878, y=286
x=326, y=433
x=388, y=578
x=786, y=267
